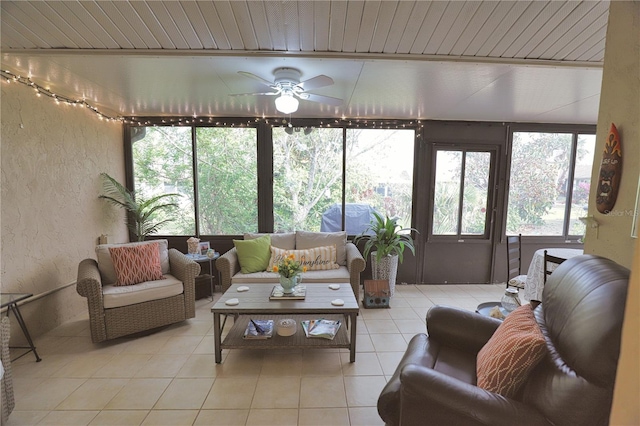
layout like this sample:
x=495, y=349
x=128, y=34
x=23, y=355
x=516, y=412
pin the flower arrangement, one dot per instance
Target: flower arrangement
x=289, y=267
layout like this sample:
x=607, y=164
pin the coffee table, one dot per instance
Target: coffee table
x=255, y=304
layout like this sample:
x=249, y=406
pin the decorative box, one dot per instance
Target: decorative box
x=376, y=294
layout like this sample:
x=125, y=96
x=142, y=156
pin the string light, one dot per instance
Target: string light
x=9, y=77
x=60, y=99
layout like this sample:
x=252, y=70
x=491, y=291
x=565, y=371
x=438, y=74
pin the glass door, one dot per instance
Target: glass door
x=459, y=245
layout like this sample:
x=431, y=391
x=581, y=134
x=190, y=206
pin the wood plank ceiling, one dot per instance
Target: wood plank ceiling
x=466, y=60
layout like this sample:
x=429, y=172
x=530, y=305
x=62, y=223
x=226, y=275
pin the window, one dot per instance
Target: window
x=226, y=164
x=307, y=176
x=549, y=183
x=461, y=192
x=379, y=176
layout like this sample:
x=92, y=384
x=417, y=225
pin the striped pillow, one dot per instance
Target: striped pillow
x=508, y=357
x=136, y=264
x=315, y=259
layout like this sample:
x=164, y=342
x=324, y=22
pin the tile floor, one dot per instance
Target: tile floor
x=170, y=377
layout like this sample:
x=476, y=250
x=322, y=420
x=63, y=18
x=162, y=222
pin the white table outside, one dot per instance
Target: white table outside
x=535, y=275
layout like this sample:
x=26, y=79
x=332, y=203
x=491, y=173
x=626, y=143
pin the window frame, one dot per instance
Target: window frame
x=575, y=130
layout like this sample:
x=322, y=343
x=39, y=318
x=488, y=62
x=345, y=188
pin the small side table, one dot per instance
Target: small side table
x=202, y=258
x=10, y=301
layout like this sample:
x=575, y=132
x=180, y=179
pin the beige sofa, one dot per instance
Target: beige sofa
x=350, y=261
x=116, y=311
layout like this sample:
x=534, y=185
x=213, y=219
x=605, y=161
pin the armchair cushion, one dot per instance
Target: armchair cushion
x=517, y=346
x=253, y=255
x=105, y=265
x=116, y=296
x=136, y=264
x=307, y=240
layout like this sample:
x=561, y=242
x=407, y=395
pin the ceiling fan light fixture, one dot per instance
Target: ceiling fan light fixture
x=286, y=103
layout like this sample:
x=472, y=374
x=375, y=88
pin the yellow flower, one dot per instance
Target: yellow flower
x=275, y=268
x=304, y=269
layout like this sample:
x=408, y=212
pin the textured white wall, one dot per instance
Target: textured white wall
x=52, y=156
x=619, y=104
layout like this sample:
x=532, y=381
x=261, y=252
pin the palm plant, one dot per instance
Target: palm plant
x=386, y=238
x=140, y=212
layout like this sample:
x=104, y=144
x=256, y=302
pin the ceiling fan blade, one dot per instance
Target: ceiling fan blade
x=256, y=94
x=255, y=77
x=315, y=82
x=321, y=98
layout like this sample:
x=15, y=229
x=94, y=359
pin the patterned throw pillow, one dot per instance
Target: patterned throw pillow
x=516, y=347
x=136, y=264
x=315, y=259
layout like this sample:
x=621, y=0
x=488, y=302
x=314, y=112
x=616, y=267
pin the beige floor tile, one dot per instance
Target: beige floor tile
x=231, y=393
x=403, y=314
x=364, y=344
x=193, y=327
x=389, y=361
x=83, y=365
x=277, y=392
x=321, y=363
x=240, y=363
x=26, y=418
x=363, y=391
x=420, y=302
x=281, y=417
x=162, y=365
x=365, y=416
x=145, y=345
x=123, y=365
x=138, y=394
x=366, y=364
x=411, y=326
x=382, y=314
x=282, y=363
x=178, y=345
x=94, y=394
x=185, y=394
x=388, y=342
x=47, y=395
x=70, y=328
x=48, y=367
x=421, y=311
x=205, y=346
x=323, y=417
x=317, y=392
x=381, y=326
x=171, y=418
x=222, y=418
x=119, y=418
x=199, y=366
x=397, y=301
x=69, y=418
x=361, y=327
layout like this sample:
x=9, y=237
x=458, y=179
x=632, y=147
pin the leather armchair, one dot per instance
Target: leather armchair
x=581, y=318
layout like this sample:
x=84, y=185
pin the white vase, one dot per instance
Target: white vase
x=385, y=269
x=288, y=284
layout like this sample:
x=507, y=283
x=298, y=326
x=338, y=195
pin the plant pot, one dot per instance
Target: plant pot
x=385, y=269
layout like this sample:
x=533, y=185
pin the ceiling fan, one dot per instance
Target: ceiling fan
x=287, y=86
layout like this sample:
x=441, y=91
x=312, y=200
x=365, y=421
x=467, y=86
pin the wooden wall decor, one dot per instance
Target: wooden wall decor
x=610, y=172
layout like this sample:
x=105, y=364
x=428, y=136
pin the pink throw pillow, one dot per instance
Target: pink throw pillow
x=136, y=264
x=516, y=347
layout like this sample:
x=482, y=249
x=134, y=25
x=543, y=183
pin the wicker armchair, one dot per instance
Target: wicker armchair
x=110, y=323
x=6, y=384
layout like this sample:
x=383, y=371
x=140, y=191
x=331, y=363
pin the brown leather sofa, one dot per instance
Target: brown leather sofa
x=581, y=318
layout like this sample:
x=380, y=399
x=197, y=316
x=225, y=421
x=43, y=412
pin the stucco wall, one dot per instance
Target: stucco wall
x=619, y=104
x=51, y=217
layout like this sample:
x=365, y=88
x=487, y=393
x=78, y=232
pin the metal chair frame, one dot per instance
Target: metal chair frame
x=514, y=257
x=550, y=259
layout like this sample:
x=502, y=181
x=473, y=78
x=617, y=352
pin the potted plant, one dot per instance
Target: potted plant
x=140, y=212
x=385, y=240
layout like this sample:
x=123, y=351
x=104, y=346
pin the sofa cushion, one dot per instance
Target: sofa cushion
x=508, y=357
x=306, y=240
x=340, y=275
x=315, y=259
x=136, y=264
x=285, y=240
x=253, y=255
x=117, y=296
x=105, y=265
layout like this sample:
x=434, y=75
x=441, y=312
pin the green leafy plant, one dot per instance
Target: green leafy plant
x=141, y=212
x=386, y=238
